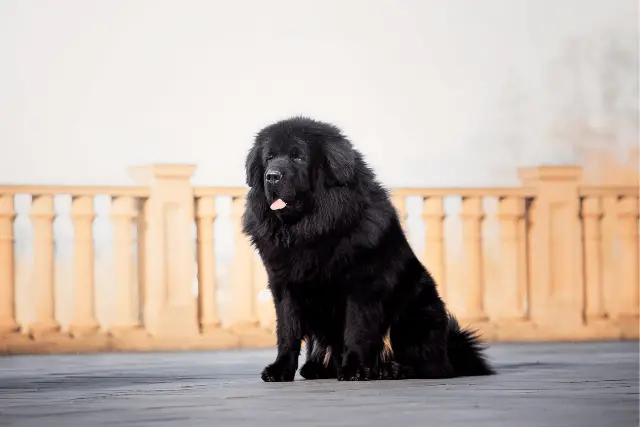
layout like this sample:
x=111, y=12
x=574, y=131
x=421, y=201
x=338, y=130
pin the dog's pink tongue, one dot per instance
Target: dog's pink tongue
x=278, y=204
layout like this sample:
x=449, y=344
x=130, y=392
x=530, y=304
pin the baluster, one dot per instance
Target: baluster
x=472, y=216
x=433, y=214
x=262, y=295
x=42, y=215
x=141, y=234
x=7, y=273
x=125, y=311
x=513, y=289
x=400, y=204
x=205, y=217
x=243, y=313
x=608, y=228
x=628, y=276
x=592, y=214
x=82, y=215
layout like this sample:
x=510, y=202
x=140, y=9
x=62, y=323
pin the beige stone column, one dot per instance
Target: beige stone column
x=42, y=215
x=512, y=294
x=125, y=314
x=472, y=216
x=400, y=204
x=243, y=314
x=208, y=306
x=82, y=215
x=170, y=308
x=7, y=273
x=592, y=214
x=555, y=259
x=435, y=261
x=628, y=276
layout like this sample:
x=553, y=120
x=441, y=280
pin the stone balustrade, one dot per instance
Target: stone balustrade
x=170, y=268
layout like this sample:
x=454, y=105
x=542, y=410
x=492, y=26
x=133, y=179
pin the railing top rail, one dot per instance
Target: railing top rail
x=207, y=191
x=600, y=191
x=75, y=190
x=424, y=192
x=204, y=191
x=465, y=192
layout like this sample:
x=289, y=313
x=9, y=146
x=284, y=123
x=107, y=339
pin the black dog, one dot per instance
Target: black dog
x=342, y=274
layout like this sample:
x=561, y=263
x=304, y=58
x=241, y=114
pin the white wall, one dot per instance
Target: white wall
x=434, y=92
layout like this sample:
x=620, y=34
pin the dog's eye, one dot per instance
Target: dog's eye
x=269, y=157
x=295, y=155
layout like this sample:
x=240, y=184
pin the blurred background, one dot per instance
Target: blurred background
x=434, y=93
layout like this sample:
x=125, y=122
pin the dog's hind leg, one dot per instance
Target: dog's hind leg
x=389, y=369
x=419, y=338
x=318, y=364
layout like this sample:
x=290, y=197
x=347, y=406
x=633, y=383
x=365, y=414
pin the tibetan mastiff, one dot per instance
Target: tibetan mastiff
x=341, y=272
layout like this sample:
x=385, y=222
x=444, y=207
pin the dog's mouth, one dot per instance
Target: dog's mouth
x=278, y=204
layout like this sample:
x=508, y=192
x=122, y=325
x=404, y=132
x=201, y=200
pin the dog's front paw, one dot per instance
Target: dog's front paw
x=277, y=373
x=313, y=370
x=389, y=371
x=355, y=373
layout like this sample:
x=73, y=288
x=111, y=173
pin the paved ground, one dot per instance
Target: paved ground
x=538, y=385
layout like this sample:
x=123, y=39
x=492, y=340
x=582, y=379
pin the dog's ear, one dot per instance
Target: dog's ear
x=341, y=161
x=253, y=167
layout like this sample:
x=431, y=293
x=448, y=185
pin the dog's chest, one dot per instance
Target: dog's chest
x=319, y=303
x=302, y=265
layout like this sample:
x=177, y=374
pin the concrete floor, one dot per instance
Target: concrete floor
x=579, y=384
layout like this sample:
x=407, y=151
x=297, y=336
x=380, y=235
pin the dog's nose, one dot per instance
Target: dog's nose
x=273, y=176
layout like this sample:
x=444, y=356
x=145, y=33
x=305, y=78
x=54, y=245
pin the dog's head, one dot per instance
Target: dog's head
x=293, y=158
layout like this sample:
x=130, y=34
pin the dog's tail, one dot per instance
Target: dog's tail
x=465, y=351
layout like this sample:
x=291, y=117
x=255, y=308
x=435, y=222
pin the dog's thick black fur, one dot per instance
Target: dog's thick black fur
x=341, y=271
